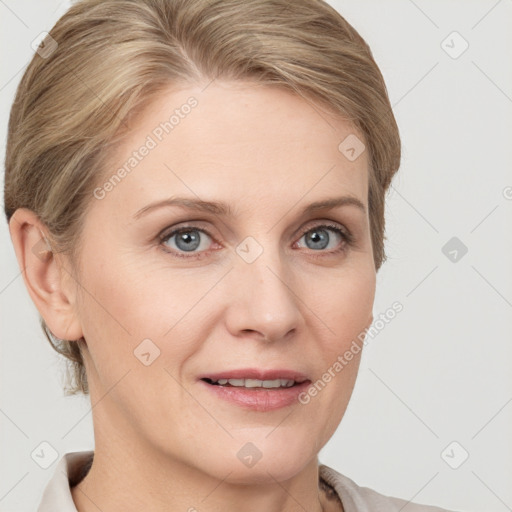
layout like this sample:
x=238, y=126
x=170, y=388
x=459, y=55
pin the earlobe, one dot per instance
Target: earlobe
x=45, y=276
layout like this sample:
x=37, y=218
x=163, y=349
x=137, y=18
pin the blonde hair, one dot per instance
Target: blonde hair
x=112, y=57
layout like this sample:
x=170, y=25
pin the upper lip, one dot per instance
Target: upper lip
x=256, y=373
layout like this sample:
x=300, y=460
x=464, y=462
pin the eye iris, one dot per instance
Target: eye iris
x=319, y=237
x=189, y=238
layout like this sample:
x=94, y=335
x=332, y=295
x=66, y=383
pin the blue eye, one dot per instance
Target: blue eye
x=317, y=238
x=187, y=239
x=194, y=241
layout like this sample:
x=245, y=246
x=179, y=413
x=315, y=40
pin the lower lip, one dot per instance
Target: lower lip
x=258, y=399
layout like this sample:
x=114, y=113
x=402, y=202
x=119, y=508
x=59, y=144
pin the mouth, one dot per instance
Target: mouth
x=253, y=383
x=256, y=389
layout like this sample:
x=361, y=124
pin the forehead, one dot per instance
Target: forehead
x=235, y=141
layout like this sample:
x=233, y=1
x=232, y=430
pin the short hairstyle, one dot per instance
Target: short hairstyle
x=113, y=57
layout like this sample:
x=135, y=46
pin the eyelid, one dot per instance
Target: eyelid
x=318, y=223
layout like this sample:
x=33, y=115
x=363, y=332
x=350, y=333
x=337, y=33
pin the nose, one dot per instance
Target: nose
x=265, y=302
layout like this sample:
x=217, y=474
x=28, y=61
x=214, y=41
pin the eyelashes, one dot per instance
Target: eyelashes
x=347, y=240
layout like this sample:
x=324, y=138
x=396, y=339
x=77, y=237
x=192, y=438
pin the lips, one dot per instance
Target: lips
x=256, y=389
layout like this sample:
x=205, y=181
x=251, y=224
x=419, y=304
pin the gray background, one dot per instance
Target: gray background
x=437, y=373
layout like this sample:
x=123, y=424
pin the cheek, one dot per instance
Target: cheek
x=126, y=303
x=347, y=311
x=345, y=305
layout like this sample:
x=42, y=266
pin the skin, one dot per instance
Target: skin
x=162, y=442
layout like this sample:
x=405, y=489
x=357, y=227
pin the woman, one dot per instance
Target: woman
x=195, y=190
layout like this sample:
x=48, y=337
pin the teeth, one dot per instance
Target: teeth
x=255, y=383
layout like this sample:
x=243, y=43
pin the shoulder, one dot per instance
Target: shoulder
x=363, y=499
x=71, y=468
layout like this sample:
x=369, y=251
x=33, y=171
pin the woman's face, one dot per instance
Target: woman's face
x=258, y=284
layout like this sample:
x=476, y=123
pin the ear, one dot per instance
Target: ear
x=47, y=275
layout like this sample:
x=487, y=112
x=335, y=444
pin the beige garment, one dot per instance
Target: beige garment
x=72, y=466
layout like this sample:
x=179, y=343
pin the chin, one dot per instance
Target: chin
x=261, y=459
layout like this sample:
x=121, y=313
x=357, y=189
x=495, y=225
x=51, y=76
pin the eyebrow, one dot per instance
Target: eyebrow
x=224, y=209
